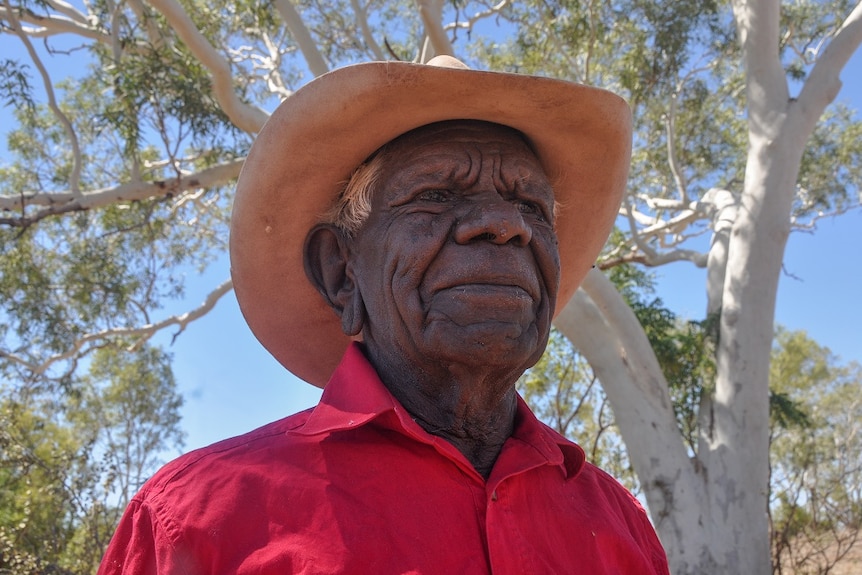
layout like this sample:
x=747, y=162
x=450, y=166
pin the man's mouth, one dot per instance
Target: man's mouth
x=483, y=289
x=476, y=303
x=500, y=285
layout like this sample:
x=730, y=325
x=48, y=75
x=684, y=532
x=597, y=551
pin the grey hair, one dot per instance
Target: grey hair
x=353, y=205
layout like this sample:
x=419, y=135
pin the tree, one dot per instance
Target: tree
x=122, y=182
x=815, y=456
x=70, y=462
x=564, y=392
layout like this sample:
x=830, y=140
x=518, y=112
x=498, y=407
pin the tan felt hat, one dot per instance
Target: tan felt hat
x=314, y=141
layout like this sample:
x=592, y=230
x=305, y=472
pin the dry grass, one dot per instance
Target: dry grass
x=850, y=564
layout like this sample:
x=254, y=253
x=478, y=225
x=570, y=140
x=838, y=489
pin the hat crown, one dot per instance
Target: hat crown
x=445, y=61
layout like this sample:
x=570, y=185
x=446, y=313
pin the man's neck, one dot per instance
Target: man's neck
x=471, y=409
x=479, y=438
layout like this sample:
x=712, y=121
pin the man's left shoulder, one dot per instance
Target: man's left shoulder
x=587, y=474
x=604, y=483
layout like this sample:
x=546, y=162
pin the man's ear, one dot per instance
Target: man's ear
x=325, y=258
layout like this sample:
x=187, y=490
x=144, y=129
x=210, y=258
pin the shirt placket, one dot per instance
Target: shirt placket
x=509, y=551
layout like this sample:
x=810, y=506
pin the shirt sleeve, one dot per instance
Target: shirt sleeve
x=659, y=557
x=638, y=522
x=652, y=545
x=140, y=546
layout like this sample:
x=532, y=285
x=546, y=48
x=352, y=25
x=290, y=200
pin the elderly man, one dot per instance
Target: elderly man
x=441, y=216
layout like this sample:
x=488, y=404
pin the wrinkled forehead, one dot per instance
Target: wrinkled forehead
x=461, y=145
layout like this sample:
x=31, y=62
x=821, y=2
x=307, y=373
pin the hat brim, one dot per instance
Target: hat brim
x=315, y=139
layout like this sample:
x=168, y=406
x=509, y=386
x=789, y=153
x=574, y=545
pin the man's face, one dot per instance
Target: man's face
x=458, y=261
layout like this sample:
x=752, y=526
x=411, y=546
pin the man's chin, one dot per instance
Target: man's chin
x=486, y=343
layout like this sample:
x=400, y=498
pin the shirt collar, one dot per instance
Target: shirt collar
x=354, y=396
x=549, y=445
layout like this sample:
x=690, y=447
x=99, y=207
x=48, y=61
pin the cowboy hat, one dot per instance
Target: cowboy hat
x=316, y=138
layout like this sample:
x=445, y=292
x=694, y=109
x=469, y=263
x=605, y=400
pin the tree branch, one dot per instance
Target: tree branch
x=116, y=43
x=758, y=26
x=265, y=67
x=155, y=36
x=672, y=160
x=53, y=25
x=362, y=22
x=64, y=202
x=67, y=10
x=602, y=326
x=302, y=36
x=823, y=84
x=431, y=12
x=673, y=225
x=142, y=333
x=470, y=22
x=244, y=116
x=625, y=324
x=75, y=175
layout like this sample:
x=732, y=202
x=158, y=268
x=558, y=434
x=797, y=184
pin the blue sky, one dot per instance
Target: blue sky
x=232, y=385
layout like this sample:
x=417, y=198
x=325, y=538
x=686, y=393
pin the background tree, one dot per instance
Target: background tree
x=563, y=389
x=816, y=456
x=71, y=459
x=564, y=392
x=122, y=179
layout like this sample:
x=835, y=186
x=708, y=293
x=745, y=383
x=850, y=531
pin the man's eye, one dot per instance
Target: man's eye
x=526, y=207
x=434, y=196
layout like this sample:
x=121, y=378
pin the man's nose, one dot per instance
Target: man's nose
x=497, y=220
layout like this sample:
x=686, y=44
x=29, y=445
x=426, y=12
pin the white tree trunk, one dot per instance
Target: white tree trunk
x=601, y=325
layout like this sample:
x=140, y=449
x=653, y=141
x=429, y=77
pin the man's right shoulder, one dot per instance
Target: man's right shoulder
x=186, y=514
x=223, y=458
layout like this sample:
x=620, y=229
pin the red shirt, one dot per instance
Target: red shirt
x=354, y=485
